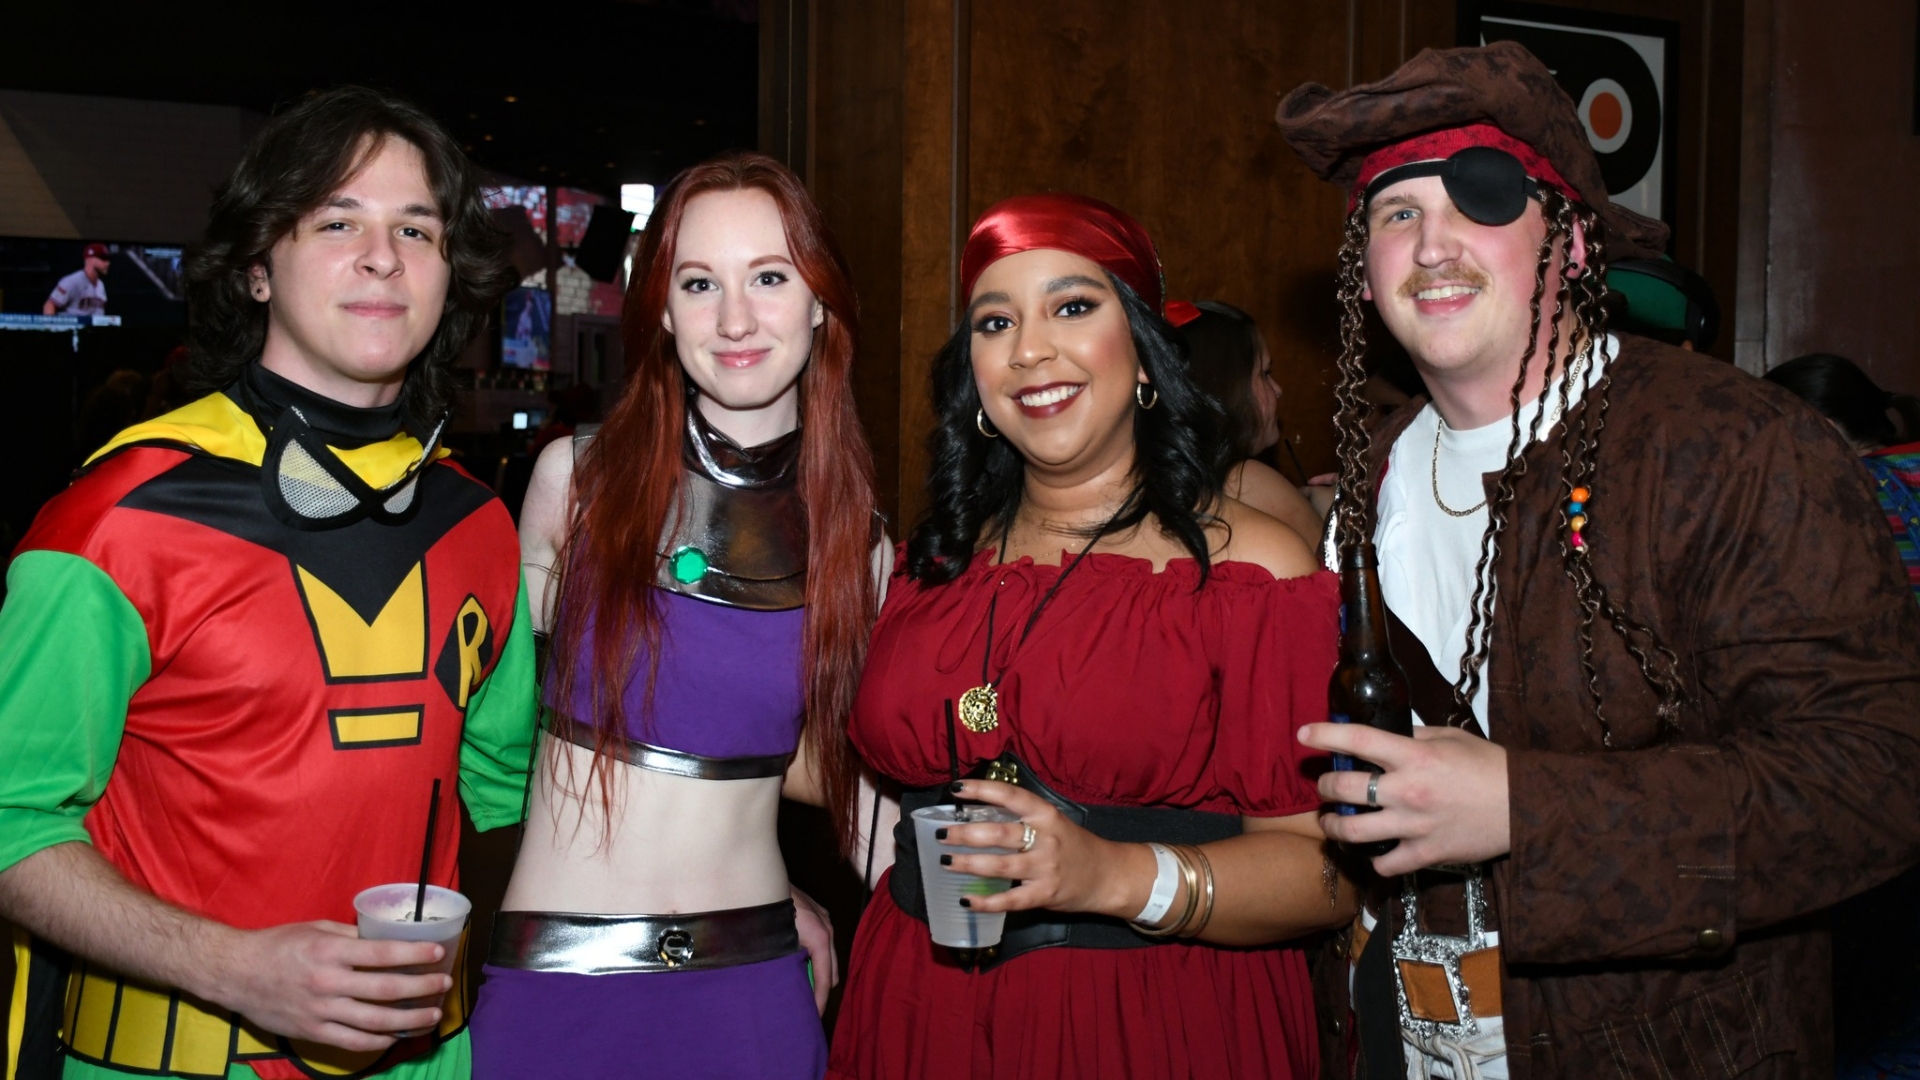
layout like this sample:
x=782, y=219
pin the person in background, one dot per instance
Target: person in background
x=168, y=389
x=1662, y=300
x=83, y=292
x=1230, y=362
x=246, y=651
x=1882, y=428
x=707, y=565
x=1126, y=701
x=109, y=407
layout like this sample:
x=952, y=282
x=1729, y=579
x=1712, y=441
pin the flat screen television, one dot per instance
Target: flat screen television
x=72, y=284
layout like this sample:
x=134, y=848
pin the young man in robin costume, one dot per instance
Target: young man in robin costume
x=241, y=651
x=1646, y=606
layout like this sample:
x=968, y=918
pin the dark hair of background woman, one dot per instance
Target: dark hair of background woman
x=1223, y=348
x=1838, y=390
x=298, y=160
x=974, y=481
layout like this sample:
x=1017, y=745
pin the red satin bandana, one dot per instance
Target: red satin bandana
x=1436, y=145
x=1060, y=222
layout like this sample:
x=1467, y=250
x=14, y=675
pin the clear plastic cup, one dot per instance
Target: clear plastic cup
x=952, y=925
x=385, y=913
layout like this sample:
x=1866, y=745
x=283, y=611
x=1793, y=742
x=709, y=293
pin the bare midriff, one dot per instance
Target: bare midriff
x=676, y=844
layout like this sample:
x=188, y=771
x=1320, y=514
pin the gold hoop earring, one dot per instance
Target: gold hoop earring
x=1143, y=402
x=980, y=421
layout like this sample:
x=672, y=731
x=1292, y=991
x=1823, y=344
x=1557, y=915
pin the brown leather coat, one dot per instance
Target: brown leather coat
x=1661, y=910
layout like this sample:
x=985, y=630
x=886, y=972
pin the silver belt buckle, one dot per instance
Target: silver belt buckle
x=1444, y=950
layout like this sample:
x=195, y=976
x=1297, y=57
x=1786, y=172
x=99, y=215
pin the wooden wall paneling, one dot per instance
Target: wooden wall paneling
x=934, y=172
x=1749, y=319
x=856, y=154
x=1384, y=34
x=786, y=114
x=1843, y=258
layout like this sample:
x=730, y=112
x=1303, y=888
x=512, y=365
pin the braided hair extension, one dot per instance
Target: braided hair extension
x=1353, y=499
x=1558, y=241
x=1580, y=446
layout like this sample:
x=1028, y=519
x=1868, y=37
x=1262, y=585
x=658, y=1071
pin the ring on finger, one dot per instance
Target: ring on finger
x=1028, y=835
x=1373, y=791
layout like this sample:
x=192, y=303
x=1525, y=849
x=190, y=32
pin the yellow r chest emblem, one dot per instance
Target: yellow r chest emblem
x=468, y=650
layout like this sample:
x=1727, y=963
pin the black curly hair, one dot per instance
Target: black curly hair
x=973, y=481
x=299, y=159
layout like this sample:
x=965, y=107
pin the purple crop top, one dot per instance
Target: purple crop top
x=730, y=682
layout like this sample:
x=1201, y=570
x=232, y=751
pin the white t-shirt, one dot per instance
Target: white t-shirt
x=1427, y=555
x=76, y=294
x=1427, y=558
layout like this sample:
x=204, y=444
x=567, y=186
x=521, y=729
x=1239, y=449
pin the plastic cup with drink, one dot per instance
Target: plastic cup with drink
x=386, y=913
x=952, y=925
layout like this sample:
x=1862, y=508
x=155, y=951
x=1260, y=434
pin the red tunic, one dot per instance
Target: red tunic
x=1134, y=689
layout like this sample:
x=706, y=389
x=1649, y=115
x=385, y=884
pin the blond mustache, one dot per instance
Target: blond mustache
x=1426, y=279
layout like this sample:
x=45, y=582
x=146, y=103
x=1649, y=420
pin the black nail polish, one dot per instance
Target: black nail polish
x=965, y=903
x=946, y=860
x=939, y=834
x=957, y=786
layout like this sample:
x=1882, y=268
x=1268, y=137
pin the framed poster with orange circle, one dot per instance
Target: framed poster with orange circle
x=1623, y=74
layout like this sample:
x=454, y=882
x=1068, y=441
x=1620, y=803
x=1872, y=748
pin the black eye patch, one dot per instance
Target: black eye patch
x=1489, y=186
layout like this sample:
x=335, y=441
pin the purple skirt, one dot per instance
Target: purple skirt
x=752, y=1021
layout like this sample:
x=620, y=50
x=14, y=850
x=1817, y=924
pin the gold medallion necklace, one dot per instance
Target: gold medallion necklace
x=980, y=706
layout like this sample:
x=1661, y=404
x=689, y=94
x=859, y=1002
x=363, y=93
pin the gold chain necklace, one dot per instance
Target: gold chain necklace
x=1439, y=424
x=1576, y=371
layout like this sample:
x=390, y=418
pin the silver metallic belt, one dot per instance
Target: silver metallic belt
x=611, y=944
x=679, y=763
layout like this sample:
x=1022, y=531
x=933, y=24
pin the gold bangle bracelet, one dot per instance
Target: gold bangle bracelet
x=1206, y=906
x=1189, y=877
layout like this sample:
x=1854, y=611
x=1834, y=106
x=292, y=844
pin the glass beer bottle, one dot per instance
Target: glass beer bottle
x=1367, y=687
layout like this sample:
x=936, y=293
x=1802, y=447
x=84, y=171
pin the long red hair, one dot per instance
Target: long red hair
x=627, y=484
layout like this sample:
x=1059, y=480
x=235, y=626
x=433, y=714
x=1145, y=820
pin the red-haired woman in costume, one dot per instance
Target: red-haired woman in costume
x=704, y=563
x=1134, y=651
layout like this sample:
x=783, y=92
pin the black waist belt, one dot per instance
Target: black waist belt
x=586, y=944
x=679, y=763
x=1040, y=929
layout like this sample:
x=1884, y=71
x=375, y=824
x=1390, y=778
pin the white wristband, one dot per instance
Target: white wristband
x=1166, y=883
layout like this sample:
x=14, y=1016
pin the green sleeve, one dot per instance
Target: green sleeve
x=73, y=650
x=496, y=747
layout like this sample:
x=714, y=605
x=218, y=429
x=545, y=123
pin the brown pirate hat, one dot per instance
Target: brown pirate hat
x=1336, y=131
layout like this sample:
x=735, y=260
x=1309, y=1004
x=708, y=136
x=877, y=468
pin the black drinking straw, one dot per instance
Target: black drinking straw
x=953, y=746
x=426, y=853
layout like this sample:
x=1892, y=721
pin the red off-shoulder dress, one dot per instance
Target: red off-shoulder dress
x=1134, y=689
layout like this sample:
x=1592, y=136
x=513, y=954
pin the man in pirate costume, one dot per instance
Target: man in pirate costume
x=243, y=653
x=1683, y=668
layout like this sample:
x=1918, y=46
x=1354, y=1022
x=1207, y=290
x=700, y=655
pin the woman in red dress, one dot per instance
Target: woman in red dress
x=1136, y=651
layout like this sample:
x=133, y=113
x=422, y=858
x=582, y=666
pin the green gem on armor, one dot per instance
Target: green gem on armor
x=689, y=564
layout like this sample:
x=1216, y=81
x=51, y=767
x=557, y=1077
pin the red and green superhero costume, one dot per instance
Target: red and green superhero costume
x=246, y=718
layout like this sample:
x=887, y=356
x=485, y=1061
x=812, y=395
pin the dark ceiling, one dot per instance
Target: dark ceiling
x=590, y=93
